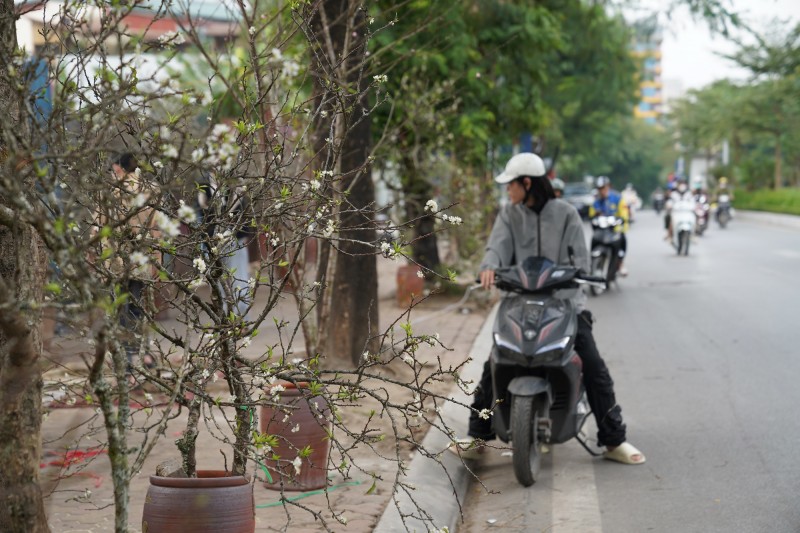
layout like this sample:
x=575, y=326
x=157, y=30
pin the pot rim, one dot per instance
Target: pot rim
x=204, y=479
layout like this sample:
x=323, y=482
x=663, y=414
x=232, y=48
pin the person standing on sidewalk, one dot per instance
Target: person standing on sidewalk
x=535, y=223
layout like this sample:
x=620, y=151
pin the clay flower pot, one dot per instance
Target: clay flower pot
x=213, y=502
x=304, y=422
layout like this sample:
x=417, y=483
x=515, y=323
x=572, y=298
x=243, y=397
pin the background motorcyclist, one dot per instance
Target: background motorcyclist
x=535, y=223
x=681, y=193
x=558, y=187
x=723, y=187
x=632, y=201
x=610, y=203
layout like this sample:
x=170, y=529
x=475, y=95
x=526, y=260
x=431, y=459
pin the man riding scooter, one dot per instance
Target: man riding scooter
x=610, y=203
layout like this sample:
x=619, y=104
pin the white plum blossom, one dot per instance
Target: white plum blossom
x=485, y=414
x=380, y=78
x=452, y=219
x=420, y=274
x=167, y=225
x=172, y=37
x=296, y=428
x=170, y=151
x=329, y=229
x=297, y=463
x=290, y=69
x=199, y=264
x=206, y=373
x=252, y=30
x=315, y=184
x=388, y=250
x=431, y=206
x=140, y=200
x=195, y=283
x=187, y=213
x=408, y=359
x=158, y=165
x=277, y=54
x=139, y=262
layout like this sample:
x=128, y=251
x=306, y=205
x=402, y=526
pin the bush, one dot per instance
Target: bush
x=780, y=201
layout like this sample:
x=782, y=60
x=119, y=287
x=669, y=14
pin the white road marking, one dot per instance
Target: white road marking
x=576, y=508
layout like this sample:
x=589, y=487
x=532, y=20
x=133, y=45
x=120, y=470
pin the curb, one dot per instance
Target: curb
x=440, y=489
x=772, y=219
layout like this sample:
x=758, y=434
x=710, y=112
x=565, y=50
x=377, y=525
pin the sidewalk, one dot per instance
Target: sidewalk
x=82, y=502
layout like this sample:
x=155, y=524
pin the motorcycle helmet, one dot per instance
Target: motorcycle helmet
x=601, y=182
x=523, y=164
x=723, y=181
x=682, y=185
x=558, y=184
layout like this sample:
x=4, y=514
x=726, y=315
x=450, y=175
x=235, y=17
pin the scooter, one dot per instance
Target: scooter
x=658, y=202
x=536, y=373
x=724, y=210
x=683, y=222
x=701, y=214
x=606, y=246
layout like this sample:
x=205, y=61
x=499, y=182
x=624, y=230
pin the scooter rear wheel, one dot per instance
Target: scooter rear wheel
x=527, y=456
x=683, y=243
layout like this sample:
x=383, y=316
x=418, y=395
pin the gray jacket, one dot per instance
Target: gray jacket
x=518, y=232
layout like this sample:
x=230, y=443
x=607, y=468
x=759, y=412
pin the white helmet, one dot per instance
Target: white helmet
x=524, y=164
x=558, y=184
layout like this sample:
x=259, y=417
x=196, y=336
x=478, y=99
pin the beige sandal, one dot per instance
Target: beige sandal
x=625, y=453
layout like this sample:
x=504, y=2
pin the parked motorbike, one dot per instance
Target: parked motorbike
x=701, y=210
x=536, y=373
x=606, y=245
x=683, y=223
x=724, y=210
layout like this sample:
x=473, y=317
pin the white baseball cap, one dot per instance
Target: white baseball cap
x=524, y=164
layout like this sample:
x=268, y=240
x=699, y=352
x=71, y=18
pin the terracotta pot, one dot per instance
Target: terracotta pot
x=409, y=285
x=301, y=413
x=213, y=502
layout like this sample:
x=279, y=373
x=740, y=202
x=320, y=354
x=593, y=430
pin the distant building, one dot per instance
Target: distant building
x=646, y=48
x=39, y=22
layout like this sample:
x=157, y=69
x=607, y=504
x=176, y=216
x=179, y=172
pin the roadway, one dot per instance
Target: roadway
x=703, y=352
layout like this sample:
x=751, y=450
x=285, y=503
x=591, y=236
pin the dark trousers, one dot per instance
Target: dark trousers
x=596, y=379
x=130, y=318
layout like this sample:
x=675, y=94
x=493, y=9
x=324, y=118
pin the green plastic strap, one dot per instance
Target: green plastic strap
x=307, y=494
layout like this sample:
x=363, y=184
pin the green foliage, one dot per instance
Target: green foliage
x=780, y=201
x=759, y=119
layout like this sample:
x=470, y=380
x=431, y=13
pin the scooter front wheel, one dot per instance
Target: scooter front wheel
x=598, y=270
x=527, y=456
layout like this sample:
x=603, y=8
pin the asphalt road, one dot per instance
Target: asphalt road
x=704, y=353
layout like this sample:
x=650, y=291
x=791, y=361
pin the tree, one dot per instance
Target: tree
x=22, y=273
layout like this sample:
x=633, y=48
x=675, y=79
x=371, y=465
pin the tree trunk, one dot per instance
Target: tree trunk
x=22, y=275
x=353, y=314
x=417, y=191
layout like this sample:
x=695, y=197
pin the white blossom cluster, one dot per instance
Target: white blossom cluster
x=171, y=38
x=139, y=262
x=186, y=213
x=220, y=148
x=289, y=68
x=388, y=250
x=168, y=226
